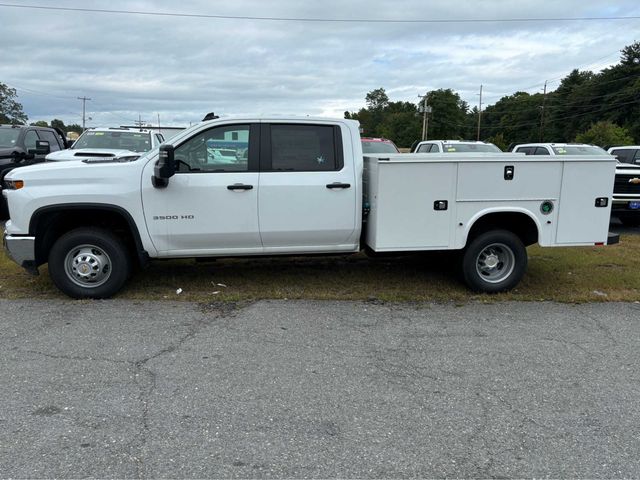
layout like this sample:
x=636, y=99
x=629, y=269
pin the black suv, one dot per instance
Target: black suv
x=22, y=145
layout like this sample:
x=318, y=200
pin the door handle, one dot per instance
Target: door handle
x=338, y=185
x=239, y=186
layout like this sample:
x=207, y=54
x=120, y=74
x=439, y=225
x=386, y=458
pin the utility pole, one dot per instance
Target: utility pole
x=544, y=101
x=426, y=110
x=139, y=123
x=479, y=113
x=84, y=101
x=159, y=131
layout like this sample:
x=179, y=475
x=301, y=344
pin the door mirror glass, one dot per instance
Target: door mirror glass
x=165, y=168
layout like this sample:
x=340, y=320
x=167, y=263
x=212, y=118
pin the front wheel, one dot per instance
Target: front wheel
x=89, y=263
x=494, y=262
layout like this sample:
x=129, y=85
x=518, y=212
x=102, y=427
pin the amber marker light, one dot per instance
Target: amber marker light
x=14, y=184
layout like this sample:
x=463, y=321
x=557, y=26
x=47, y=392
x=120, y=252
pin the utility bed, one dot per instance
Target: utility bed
x=431, y=201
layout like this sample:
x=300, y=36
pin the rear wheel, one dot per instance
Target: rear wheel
x=89, y=263
x=494, y=261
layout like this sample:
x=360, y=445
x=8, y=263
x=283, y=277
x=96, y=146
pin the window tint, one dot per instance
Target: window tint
x=303, y=148
x=525, y=150
x=30, y=139
x=220, y=149
x=625, y=155
x=579, y=150
x=541, y=151
x=378, y=147
x=51, y=138
x=471, y=148
x=425, y=148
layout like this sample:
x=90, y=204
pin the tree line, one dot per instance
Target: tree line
x=600, y=108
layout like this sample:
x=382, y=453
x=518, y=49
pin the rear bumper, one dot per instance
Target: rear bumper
x=613, y=238
x=21, y=250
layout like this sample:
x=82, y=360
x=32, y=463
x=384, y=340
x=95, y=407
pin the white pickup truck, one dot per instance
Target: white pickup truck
x=275, y=186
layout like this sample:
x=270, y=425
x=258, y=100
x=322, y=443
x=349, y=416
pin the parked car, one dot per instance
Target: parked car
x=378, y=145
x=626, y=188
x=455, y=146
x=22, y=145
x=108, y=143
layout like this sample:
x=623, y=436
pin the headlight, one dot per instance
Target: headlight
x=13, y=184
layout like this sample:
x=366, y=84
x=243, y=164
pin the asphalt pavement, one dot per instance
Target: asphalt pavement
x=132, y=389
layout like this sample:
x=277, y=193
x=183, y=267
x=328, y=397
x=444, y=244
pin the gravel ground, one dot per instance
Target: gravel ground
x=318, y=389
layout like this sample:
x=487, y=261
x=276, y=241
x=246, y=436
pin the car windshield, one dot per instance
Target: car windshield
x=9, y=136
x=378, y=147
x=133, y=141
x=470, y=147
x=579, y=150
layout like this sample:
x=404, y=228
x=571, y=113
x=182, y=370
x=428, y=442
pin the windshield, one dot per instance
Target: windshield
x=579, y=150
x=133, y=141
x=9, y=136
x=378, y=147
x=470, y=147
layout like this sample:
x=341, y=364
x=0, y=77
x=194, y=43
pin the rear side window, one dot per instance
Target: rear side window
x=51, y=138
x=526, y=150
x=305, y=148
x=541, y=151
x=425, y=148
x=625, y=155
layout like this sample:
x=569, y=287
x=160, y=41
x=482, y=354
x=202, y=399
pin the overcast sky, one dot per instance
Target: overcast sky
x=182, y=68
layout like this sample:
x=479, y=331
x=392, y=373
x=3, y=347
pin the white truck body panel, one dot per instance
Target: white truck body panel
x=401, y=191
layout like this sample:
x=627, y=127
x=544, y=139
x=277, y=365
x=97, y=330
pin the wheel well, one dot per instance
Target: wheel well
x=519, y=223
x=50, y=224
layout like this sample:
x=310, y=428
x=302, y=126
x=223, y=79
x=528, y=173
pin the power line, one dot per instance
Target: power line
x=323, y=20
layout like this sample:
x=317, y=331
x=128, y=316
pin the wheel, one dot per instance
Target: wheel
x=494, y=262
x=89, y=263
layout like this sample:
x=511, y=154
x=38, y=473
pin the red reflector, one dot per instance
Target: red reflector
x=599, y=244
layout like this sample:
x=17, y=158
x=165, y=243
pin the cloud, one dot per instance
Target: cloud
x=181, y=68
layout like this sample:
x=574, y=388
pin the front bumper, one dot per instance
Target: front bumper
x=22, y=251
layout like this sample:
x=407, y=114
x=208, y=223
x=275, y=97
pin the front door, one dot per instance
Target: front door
x=211, y=204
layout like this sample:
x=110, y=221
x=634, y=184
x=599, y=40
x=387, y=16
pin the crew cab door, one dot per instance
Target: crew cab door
x=307, y=195
x=210, y=205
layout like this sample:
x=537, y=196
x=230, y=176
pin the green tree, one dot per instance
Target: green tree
x=74, y=127
x=40, y=123
x=10, y=110
x=448, y=115
x=605, y=134
x=56, y=123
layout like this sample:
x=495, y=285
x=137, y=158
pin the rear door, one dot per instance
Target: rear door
x=307, y=195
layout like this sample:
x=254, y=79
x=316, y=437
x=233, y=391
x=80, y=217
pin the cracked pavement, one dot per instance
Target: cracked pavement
x=134, y=389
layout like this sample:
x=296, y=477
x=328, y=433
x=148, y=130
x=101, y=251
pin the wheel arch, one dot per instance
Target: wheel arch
x=50, y=222
x=519, y=221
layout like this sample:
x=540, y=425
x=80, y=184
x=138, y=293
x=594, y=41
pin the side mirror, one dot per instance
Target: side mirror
x=42, y=148
x=165, y=168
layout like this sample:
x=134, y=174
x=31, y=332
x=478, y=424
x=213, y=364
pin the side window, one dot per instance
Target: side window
x=625, y=155
x=30, y=139
x=425, y=148
x=636, y=159
x=219, y=149
x=525, y=150
x=541, y=151
x=305, y=148
x=51, y=138
x=159, y=137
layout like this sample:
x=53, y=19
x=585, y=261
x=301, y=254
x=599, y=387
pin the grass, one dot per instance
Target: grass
x=560, y=274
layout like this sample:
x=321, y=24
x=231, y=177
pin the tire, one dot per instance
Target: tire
x=494, y=262
x=89, y=263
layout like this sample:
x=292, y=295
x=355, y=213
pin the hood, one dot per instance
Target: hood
x=89, y=153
